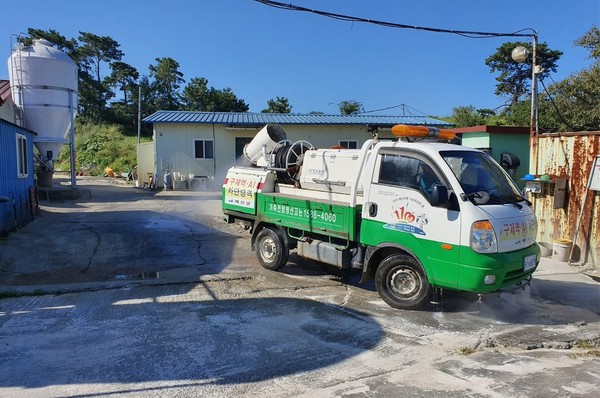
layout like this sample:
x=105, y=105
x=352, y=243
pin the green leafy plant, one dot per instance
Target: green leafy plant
x=98, y=146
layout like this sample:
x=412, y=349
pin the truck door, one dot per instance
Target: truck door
x=398, y=212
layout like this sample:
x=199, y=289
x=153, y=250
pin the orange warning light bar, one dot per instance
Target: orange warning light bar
x=404, y=130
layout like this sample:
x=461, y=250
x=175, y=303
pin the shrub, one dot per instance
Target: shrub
x=98, y=146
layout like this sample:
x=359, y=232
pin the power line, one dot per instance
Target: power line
x=385, y=109
x=404, y=110
x=348, y=18
x=558, y=112
x=559, y=90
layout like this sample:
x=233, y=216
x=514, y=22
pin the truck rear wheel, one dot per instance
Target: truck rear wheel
x=271, y=250
x=401, y=282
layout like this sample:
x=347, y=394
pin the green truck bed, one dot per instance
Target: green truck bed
x=326, y=217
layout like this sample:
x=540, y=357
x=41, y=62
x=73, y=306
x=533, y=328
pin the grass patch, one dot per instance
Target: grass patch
x=466, y=350
x=586, y=344
x=591, y=345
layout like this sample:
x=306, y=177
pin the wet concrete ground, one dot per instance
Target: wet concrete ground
x=148, y=294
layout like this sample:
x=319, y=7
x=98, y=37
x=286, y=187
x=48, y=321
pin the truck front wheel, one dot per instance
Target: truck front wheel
x=271, y=250
x=401, y=282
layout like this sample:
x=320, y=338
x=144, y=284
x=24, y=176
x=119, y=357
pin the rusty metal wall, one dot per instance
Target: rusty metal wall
x=570, y=156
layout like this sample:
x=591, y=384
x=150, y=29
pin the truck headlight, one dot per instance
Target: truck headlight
x=483, y=237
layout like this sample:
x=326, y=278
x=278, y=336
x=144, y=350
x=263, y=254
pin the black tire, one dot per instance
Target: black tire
x=271, y=250
x=402, y=283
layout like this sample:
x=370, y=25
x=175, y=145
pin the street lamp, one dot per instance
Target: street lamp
x=521, y=54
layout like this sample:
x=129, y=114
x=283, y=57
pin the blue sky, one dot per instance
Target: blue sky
x=261, y=52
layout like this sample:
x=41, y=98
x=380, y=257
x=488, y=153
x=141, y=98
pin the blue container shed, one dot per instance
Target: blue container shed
x=18, y=198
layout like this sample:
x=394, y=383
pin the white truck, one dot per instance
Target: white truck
x=415, y=214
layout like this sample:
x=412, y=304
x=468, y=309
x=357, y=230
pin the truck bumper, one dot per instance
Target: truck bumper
x=481, y=273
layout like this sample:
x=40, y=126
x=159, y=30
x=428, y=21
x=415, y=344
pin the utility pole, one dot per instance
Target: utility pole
x=534, y=129
x=139, y=112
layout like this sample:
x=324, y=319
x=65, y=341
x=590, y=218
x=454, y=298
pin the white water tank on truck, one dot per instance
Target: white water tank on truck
x=43, y=80
x=331, y=170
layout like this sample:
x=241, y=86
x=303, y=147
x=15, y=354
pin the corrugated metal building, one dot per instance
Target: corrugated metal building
x=17, y=185
x=207, y=144
x=566, y=208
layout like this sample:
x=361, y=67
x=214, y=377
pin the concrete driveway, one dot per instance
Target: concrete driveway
x=143, y=294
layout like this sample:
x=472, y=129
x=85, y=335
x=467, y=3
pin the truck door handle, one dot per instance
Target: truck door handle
x=372, y=209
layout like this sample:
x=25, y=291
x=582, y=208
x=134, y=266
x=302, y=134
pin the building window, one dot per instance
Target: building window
x=203, y=149
x=22, y=161
x=349, y=144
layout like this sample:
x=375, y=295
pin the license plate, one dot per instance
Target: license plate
x=529, y=262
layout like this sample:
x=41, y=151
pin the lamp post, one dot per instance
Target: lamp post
x=521, y=54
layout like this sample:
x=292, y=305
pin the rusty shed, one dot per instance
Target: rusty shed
x=568, y=205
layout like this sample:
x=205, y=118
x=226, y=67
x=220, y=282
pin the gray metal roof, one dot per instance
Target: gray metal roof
x=259, y=119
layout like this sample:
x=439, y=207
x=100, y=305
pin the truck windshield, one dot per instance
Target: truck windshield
x=481, y=178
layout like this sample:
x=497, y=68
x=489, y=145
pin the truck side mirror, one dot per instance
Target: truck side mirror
x=439, y=195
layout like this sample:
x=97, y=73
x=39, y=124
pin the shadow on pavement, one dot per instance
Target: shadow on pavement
x=209, y=342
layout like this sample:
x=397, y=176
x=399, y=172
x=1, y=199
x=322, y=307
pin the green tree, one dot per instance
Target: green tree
x=573, y=104
x=90, y=107
x=123, y=77
x=515, y=78
x=225, y=100
x=466, y=116
x=197, y=96
x=518, y=115
x=350, y=107
x=98, y=50
x=95, y=51
x=591, y=41
x=486, y=113
x=68, y=46
x=279, y=105
x=167, y=80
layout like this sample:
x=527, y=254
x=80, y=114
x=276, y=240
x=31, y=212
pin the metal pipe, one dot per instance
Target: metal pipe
x=533, y=123
x=574, y=241
x=139, y=115
x=72, y=142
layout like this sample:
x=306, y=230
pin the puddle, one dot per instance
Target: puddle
x=141, y=275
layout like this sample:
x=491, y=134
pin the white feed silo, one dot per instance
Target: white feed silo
x=43, y=80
